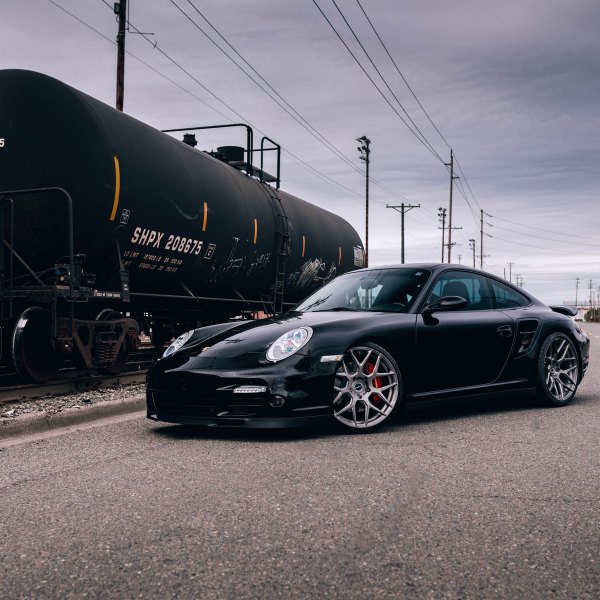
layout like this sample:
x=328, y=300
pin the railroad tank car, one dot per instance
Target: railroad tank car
x=110, y=226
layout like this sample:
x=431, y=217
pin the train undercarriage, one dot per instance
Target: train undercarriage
x=62, y=316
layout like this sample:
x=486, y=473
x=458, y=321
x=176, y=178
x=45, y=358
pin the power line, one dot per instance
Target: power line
x=400, y=73
x=279, y=100
x=522, y=244
x=155, y=45
x=282, y=102
x=373, y=82
x=384, y=80
x=587, y=244
x=137, y=58
x=583, y=237
x=464, y=177
x=295, y=158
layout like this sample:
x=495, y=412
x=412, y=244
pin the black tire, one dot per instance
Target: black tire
x=558, y=370
x=367, y=388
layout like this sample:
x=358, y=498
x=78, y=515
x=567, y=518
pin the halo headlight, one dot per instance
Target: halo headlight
x=289, y=343
x=178, y=343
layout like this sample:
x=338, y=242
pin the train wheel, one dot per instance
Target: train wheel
x=33, y=353
x=108, y=314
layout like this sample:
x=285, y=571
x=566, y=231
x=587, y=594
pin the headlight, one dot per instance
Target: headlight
x=180, y=341
x=289, y=343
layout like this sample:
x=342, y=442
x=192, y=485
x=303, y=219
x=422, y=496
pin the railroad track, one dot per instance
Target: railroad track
x=72, y=380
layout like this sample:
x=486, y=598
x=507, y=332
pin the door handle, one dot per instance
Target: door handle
x=505, y=331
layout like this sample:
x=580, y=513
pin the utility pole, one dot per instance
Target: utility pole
x=120, y=9
x=460, y=259
x=591, y=287
x=472, y=246
x=576, y=290
x=442, y=217
x=452, y=178
x=450, y=244
x=510, y=266
x=481, y=241
x=404, y=208
x=365, y=152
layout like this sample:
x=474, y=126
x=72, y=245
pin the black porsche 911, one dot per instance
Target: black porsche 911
x=366, y=343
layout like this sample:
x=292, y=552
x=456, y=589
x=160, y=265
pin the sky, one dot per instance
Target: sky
x=513, y=88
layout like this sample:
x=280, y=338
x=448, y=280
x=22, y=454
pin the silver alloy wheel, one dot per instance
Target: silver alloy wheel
x=561, y=369
x=367, y=388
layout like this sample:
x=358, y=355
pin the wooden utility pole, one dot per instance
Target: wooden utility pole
x=450, y=244
x=120, y=9
x=404, y=208
x=452, y=178
x=481, y=242
x=510, y=266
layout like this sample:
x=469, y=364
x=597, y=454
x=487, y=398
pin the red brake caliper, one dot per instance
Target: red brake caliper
x=376, y=383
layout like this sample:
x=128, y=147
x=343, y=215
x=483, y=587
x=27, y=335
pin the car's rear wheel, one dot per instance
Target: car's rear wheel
x=558, y=370
x=367, y=388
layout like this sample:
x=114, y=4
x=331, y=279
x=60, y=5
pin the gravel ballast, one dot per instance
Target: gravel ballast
x=52, y=405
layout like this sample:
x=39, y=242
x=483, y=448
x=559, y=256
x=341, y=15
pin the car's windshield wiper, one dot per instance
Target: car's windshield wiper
x=337, y=309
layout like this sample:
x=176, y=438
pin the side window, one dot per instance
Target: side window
x=506, y=297
x=470, y=286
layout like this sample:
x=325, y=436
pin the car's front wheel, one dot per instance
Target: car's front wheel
x=558, y=370
x=367, y=388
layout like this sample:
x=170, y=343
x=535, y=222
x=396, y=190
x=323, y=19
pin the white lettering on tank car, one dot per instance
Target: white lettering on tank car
x=147, y=237
x=1, y=142
x=175, y=243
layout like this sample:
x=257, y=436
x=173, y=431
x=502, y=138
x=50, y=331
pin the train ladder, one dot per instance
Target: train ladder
x=283, y=250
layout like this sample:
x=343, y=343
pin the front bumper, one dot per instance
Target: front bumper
x=289, y=398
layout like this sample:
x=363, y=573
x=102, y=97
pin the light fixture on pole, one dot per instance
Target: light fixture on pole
x=365, y=152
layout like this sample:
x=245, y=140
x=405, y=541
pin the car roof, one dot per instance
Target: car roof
x=440, y=267
x=428, y=266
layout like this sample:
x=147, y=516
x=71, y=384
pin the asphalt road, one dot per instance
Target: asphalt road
x=488, y=500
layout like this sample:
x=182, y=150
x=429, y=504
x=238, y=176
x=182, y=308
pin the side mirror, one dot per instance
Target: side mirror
x=447, y=303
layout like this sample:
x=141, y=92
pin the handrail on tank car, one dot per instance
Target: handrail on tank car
x=249, y=136
x=3, y=197
x=249, y=147
x=263, y=150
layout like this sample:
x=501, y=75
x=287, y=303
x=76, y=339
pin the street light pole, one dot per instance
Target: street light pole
x=442, y=218
x=365, y=152
x=472, y=245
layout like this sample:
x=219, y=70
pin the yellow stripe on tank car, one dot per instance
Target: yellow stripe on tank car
x=339, y=255
x=255, y=230
x=303, y=245
x=113, y=214
x=205, y=217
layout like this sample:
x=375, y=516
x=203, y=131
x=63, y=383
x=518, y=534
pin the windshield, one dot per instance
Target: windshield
x=382, y=290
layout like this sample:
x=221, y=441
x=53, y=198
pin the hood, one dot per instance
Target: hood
x=253, y=337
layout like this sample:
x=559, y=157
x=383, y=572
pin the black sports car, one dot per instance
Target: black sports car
x=366, y=343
